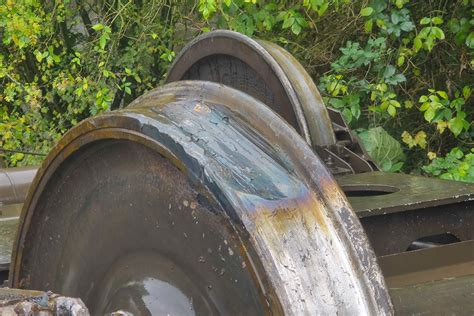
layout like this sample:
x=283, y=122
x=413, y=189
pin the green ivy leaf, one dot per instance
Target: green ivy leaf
x=296, y=28
x=456, y=126
x=470, y=40
x=98, y=27
x=437, y=20
x=400, y=60
x=442, y=94
x=368, y=26
x=102, y=41
x=466, y=92
x=417, y=44
x=429, y=114
x=207, y=8
x=437, y=32
x=366, y=11
x=383, y=148
x=39, y=56
x=425, y=21
x=323, y=8
x=392, y=110
x=389, y=71
x=288, y=22
x=347, y=115
x=396, y=167
x=423, y=99
x=407, y=26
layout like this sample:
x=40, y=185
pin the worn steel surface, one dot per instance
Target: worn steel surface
x=240, y=62
x=28, y=302
x=203, y=180
x=271, y=74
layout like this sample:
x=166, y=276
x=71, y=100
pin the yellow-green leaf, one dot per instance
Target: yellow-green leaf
x=366, y=11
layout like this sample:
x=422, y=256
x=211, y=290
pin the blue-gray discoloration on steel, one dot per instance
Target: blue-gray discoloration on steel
x=303, y=233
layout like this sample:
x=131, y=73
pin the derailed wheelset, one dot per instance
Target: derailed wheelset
x=202, y=199
x=272, y=75
x=400, y=213
x=197, y=191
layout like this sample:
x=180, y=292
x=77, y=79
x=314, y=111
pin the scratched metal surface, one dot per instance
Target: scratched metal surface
x=272, y=75
x=263, y=70
x=302, y=242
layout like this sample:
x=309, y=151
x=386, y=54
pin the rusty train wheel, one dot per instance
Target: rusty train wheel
x=196, y=199
x=265, y=71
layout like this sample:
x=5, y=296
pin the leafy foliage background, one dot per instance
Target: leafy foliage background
x=401, y=71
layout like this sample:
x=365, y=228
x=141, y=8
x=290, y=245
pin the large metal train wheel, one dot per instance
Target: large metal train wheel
x=195, y=199
x=265, y=71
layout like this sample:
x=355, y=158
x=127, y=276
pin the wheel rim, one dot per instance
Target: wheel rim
x=265, y=71
x=277, y=203
x=135, y=217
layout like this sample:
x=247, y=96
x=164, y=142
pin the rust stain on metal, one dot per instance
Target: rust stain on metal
x=227, y=152
x=306, y=209
x=202, y=108
x=295, y=230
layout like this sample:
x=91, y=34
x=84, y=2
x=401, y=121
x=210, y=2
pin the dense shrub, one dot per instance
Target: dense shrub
x=398, y=70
